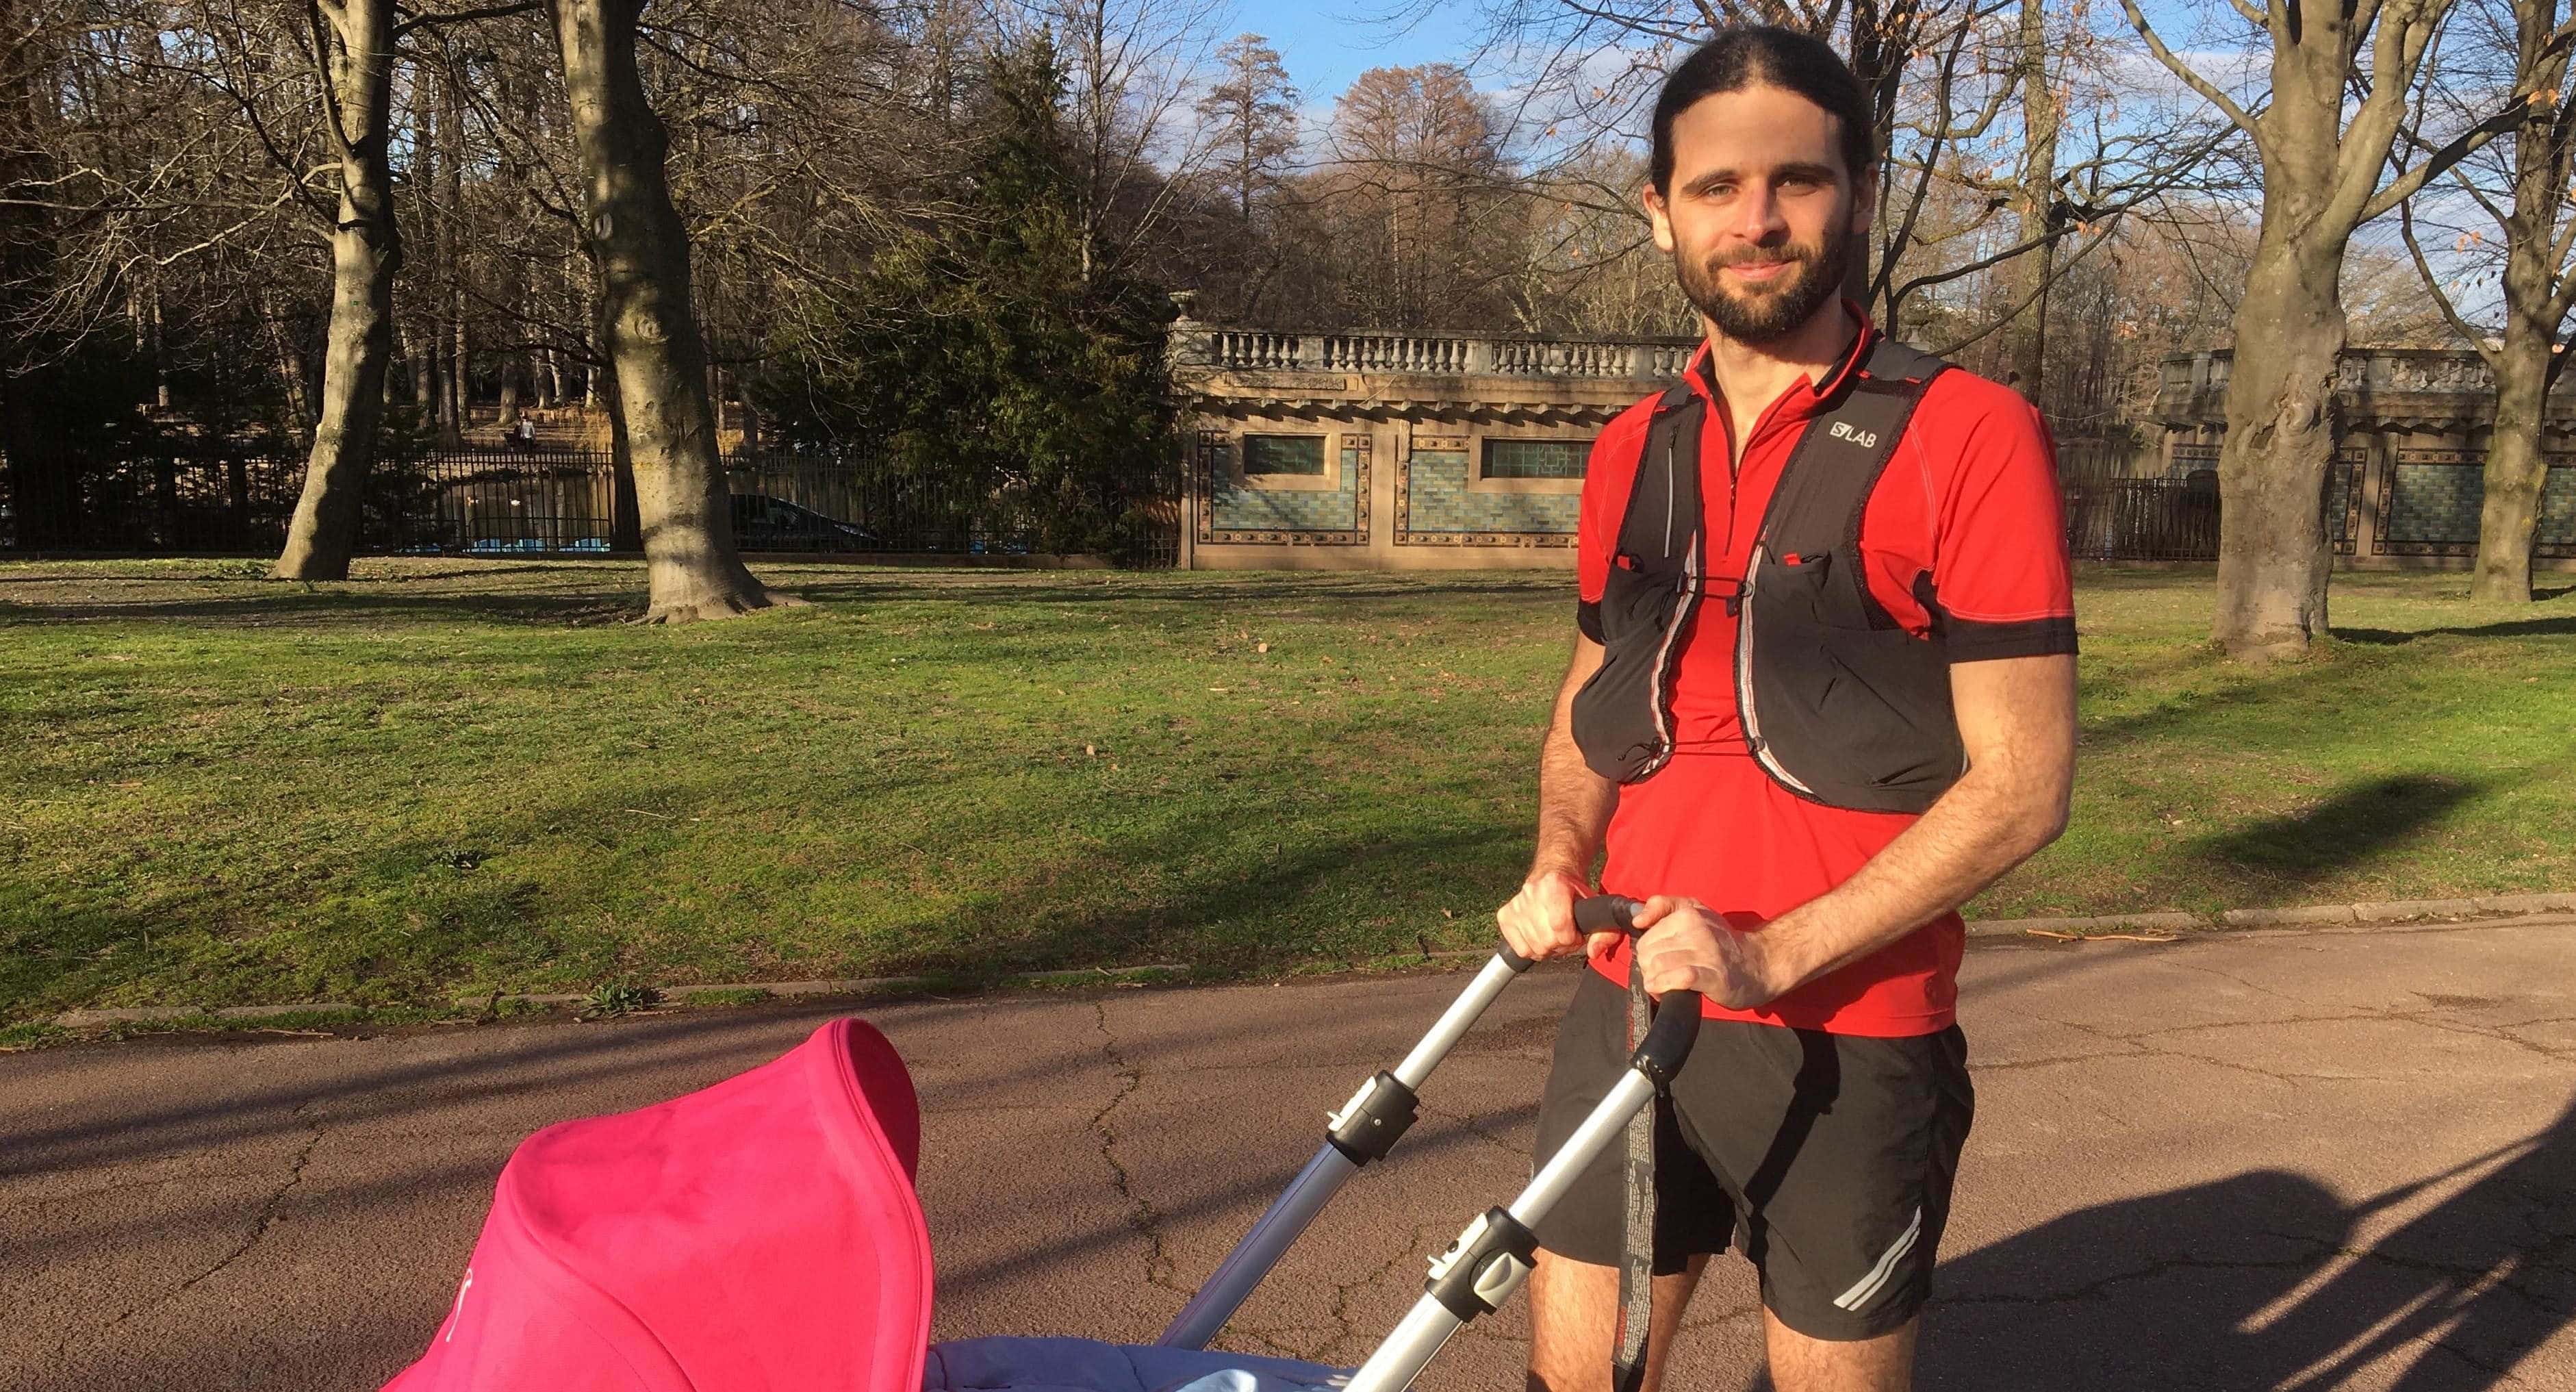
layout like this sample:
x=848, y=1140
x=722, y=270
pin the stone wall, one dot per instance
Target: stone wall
x=2409, y=478
x=1411, y=420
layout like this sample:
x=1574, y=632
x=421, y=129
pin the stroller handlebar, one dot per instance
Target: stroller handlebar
x=1606, y=913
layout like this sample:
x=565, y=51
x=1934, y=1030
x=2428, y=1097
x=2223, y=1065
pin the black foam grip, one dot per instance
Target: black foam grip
x=1512, y=959
x=1668, y=1041
x=1606, y=913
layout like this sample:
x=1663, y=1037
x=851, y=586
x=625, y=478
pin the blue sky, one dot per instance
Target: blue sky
x=1326, y=43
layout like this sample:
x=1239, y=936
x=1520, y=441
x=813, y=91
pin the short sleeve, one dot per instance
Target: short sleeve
x=1608, y=474
x=2001, y=582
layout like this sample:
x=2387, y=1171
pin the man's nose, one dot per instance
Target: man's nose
x=1757, y=215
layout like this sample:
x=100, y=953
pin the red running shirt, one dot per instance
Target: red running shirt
x=1963, y=532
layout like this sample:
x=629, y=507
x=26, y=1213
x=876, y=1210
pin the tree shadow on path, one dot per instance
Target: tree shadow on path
x=2259, y=1281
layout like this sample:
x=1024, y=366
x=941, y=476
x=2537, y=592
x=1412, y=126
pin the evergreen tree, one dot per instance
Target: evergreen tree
x=1003, y=356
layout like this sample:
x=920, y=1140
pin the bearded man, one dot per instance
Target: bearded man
x=1822, y=693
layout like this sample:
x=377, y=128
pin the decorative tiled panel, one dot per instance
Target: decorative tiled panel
x=2189, y=458
x=2434, y=497
x=2430, y=505
x=1435, y=507
x=2558, y=510
x=1231, y=512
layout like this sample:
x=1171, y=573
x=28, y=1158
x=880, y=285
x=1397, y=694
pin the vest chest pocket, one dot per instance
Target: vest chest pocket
x=1836, y=709
x=1623, y=714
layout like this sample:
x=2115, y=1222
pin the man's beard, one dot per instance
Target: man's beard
x=1771, y=313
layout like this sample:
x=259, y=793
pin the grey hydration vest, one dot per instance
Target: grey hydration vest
x=1839, y=703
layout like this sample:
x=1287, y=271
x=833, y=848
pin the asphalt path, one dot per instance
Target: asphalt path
x=2340, y=1159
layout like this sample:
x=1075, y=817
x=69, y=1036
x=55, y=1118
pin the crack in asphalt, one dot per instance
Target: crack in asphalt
x=268, y=1213
x=1146, y=1219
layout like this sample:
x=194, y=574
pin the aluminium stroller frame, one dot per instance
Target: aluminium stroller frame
x=1494, y=1255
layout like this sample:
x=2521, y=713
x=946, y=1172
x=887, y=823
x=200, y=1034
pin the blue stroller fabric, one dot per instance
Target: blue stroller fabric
x=1083, y=1365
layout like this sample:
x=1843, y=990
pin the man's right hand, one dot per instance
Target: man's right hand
x=1539, y=921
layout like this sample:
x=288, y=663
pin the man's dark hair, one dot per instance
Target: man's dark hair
x=1767, y=56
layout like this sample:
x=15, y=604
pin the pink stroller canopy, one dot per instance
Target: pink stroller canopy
x=758, y=1236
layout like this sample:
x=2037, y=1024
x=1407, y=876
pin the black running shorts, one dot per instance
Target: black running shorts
x=1831, y=1156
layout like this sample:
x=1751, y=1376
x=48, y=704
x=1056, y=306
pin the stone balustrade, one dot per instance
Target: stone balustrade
x=2424, y=389
x=1225, y=348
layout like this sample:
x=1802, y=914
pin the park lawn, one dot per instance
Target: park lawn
x=450, y=778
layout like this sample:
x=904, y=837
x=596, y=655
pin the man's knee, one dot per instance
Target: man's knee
x=1800, y=1363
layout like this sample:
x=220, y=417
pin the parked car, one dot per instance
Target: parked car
x=764, y=523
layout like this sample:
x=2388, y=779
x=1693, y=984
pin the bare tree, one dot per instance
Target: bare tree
x=2325, y=160
x=353, y=49
x=1251, y=114
x=2521, y=183
x=2035, y=202
x=1249, y=119
x=650, y=329
x=1420, y=185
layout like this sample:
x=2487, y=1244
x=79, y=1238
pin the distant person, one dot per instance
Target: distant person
x=524, y=435
x=1822, y=692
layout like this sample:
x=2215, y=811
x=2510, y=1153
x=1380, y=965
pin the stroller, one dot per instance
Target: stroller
x=762, y=1235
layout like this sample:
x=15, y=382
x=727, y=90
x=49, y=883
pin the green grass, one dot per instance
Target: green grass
x=446, y=778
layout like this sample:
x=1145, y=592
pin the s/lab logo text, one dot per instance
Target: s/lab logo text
x=1864, y=438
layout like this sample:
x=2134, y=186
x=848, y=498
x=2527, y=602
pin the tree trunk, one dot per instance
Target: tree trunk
x=2516, y=470
x=2536, y=302
x=459, y=377
x=652, y=343
x=456, y=366
x=365, y=251
x=2272, y=557
x=290, y=370
x=2033, y=203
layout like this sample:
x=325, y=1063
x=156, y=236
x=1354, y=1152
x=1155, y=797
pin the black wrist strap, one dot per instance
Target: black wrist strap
x=1637, y=1244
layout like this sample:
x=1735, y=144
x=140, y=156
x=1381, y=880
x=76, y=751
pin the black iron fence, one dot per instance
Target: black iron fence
x=2142, y=519
x=548, y=502
x=2176, y=519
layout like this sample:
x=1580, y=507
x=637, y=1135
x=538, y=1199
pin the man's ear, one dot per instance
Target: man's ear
x=1865, y=199
x=1657, y=216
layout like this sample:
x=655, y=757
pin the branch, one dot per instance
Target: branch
x=2028, y=300
x=2467, y=142
x=2461, y=146
x=2208, y=90
x=502, y=11
x=2433, y=287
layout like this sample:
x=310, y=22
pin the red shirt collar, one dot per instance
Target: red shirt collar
x=1864, y=334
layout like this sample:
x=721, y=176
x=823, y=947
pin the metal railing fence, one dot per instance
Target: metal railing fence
x=547, y=502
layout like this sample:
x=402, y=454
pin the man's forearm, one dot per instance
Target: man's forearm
x=1574, y=807
x=1574, y=803
x=1979, y=829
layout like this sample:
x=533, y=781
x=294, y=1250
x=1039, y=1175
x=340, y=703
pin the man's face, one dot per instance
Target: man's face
x=1762, y=220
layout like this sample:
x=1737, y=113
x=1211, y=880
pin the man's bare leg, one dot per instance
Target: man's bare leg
x=1574, y=1323
x=1801, y=1364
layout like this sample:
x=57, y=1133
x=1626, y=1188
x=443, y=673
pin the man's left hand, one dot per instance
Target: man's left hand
x=1688, y=947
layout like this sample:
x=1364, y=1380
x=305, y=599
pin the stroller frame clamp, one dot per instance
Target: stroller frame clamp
x=1497, y=1251
x=1363, y=1130
x=1499, y=1248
